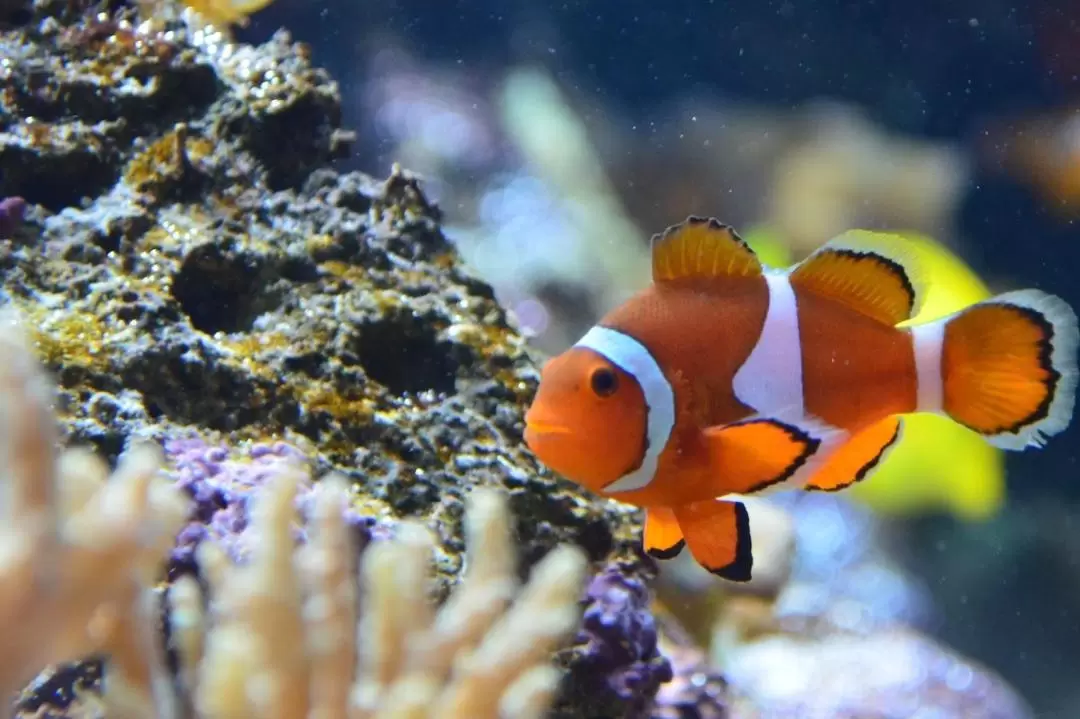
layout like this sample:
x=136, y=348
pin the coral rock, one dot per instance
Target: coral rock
x=195, y=269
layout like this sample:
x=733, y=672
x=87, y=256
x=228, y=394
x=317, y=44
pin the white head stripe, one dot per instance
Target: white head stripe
x=634, y=358
x=771, y=379
x=927, y=340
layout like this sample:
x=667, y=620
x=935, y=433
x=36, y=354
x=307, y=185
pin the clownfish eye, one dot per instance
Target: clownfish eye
x=604, y=382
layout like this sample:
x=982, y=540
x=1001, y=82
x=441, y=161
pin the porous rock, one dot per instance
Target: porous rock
x=192, y=267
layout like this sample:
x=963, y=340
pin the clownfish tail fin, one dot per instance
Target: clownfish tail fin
x=1008, y=367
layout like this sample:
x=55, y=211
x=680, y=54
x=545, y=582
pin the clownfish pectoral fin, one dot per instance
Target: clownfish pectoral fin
x=1008, y=368
x=663, y=539
x=856, y=459
x=717, y=532
x=700, y=247
x=873, y=273
x=753, y=455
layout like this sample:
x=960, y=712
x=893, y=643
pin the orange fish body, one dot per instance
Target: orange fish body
x=725, y=377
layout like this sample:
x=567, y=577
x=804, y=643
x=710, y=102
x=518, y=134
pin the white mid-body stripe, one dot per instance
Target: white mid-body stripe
x=771, y=379
x=634, y=358
x=927, y=340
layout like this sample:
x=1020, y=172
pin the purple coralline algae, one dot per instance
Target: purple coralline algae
x=619, y=660
x=222, y=483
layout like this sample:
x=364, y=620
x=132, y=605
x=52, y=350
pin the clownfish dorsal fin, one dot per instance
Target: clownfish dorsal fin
x=701, y=247
x=874, y=273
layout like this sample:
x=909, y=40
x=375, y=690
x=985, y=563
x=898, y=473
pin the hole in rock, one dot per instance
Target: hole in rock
x=219, y=290
x=405, y=356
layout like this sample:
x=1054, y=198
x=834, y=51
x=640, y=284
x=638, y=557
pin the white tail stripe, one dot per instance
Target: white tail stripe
x=771, y=379
x=634, y=358
x=928, y=340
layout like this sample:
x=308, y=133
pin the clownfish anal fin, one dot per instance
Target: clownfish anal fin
x=700, y=247
x=875, y=274
x=752, y=455
x=856, y=459
x=717, y=533
x=663, y=539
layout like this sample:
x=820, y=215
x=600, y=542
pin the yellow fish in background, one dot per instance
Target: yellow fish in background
x=226, y=12
x=938, y=464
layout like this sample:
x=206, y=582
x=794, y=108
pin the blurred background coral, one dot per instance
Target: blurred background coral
x=557, y=137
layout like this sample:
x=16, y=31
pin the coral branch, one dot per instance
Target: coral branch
x=77, y=548
x=267, y=657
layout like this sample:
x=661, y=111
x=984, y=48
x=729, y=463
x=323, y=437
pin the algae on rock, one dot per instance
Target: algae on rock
x=193, y=267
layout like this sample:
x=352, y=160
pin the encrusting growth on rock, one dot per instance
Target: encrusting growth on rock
x=279, y=636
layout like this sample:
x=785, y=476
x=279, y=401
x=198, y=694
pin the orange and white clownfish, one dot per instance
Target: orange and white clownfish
x=725, y=377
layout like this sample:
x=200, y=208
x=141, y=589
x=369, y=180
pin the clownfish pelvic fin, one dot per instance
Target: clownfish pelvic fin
x=717, y=533
x=1005, y=367
x=662, y=536
x=762, y=453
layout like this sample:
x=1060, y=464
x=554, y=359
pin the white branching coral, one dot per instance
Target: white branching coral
x=281, y=639
x=480, y=655
x=281, y=636
x=76, y=544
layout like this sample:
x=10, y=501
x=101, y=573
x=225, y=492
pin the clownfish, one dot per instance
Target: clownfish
x=725, y=377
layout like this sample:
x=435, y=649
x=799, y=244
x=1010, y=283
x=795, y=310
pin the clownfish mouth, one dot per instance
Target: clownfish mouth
x=540, y=428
